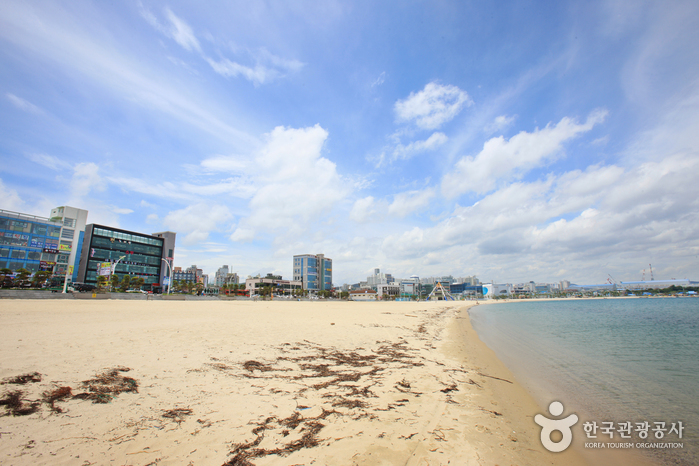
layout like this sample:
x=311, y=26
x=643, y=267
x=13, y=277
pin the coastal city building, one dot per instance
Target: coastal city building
x=278, y=285
x=491, y=290
x=220, y=276
x=107, y=250
x=314, y=271
x=37, y=243
x=465, y=289
x=232, y=279
x=410, y=286
x=366, y=294
x=70, y=242
x=182, y=276
x=388, y=290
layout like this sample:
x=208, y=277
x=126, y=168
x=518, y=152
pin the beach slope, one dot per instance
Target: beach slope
x=262, y=383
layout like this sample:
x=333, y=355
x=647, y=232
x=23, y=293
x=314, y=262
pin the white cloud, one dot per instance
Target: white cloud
x=295, y=184
x=226, y=163
x=402, y=152
x=49, y=161
x=197, y=221
x=408, y=202
x=500, y=123
x=267, y=67
x=503, y=159
x=86, y=178
x=257, y=75
x=363, y=210
x=177, y=29
x=599, y=219
x=122, y=210
x=380, y=80
x=181, y=32
x=433, y=106
x=22, y=104
x=9, y=199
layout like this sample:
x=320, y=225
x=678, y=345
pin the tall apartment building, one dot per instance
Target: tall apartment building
x=220, y=277
x=314, y=271
x=197, y=272
x=72, y=233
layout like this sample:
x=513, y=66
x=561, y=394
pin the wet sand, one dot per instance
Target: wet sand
x=262, y=383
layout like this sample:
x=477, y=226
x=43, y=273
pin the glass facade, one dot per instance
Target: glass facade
x=140, y=254
x=314, y=271
x=28, y=242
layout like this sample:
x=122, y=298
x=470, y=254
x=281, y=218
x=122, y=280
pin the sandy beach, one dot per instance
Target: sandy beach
x=261, y=383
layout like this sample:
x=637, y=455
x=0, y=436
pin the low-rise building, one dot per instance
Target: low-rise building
x=275, y=282
x=389, y=290
x=363, y=295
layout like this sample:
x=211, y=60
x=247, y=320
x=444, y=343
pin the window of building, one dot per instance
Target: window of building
x=38, y=229
x=4, y=252
x=34, y=255
x=69, y=222
x=67, y=233
x=54, y=231
x=63, y=258
x=18, y=254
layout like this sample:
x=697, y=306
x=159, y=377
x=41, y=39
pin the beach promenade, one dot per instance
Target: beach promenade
x=262, y=383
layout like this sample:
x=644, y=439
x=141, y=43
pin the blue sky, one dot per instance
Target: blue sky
x=514, y=141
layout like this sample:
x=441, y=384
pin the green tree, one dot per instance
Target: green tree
x=199, y=287
x=125, y=282
x=40, y=278
x=5, y=272
x=101, y=282
x=137, y=282
x=22, y=276
x=114, y=279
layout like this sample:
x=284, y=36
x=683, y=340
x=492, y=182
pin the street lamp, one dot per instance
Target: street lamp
x=169, y=283
x=114, y=270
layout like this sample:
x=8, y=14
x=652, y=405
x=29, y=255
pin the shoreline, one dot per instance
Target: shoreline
x=542, y=396
x=262, y=383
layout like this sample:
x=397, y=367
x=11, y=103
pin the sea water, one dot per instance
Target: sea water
x=611, y=360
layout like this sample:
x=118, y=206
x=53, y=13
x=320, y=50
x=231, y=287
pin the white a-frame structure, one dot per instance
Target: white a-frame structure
x=440, y=293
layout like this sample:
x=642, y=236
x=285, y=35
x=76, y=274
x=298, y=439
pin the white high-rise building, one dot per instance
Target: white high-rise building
x=220, y=277
x=72, y=234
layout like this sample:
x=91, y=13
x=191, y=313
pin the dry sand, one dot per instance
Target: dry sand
x=262, y=383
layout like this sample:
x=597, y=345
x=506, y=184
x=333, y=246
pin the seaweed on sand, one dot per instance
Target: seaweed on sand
x=58, y=394
x=177, y=414
x=310, y=427
x=23, y=379
x=16, y=406
x=107, y=385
